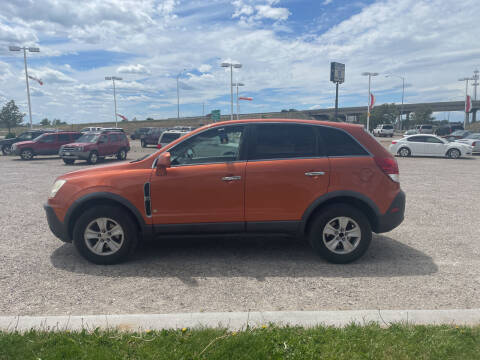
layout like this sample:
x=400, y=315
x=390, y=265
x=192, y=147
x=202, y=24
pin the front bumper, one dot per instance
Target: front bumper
x=56, y=226
x=74, y=155
x=394, y=215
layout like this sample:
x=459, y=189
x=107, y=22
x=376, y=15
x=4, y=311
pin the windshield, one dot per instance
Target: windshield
x=88, y=138
x=27, y=136
x=169, y=137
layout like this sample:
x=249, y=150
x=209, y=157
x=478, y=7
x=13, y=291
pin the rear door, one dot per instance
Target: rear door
x=103, y=145
x=286, y=171
x=113, y=144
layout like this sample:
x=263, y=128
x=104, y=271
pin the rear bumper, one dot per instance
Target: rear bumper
x=56, y=226
x=394, y=215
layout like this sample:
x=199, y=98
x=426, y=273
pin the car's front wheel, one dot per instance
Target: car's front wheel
x=68, y=161
x=6, y=149
x=105, y=235
x=92, y=158
x=26, y=154
x=340, y=233
x=453, y=154
x=143, y=143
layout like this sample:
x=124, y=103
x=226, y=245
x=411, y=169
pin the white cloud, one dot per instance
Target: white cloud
x=256, y=10
x=266, y=11
x=51, y=76
x=204, y=68
x=133, y=69
x=326, y=2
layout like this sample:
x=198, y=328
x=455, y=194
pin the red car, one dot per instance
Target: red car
x=46, y=144
x=95, y=146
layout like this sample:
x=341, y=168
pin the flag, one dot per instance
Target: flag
x=123, y=117
x=37, y=80
x=245, y=98
x=372, y=102
x=468, y=104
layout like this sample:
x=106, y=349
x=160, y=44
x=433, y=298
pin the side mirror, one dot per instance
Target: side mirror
x=163, y=162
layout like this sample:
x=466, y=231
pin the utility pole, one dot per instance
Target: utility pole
x=30, y=49
x=369, y=74
x=113, y=78
x=337, y=76
x=237, y=85
x=231, y=66
x=466, y=79
x=475, y=84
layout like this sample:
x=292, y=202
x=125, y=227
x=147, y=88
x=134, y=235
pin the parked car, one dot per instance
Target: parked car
x=424, y=129
x=456, y=135
x=383, y=130
x=46, y=144
x=6, y=144
x=447, y=129
x=429, y=145
x=410, y=132
x=247, y=176
x=139, y=132
x=472, y=140
x=170, y=135
x=95, y=146
x=90, y=129
x=151, y=137
x=112, y=129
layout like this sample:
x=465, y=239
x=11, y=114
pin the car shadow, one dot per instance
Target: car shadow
x=37, y=158
x=188, y=258
x=100, y=162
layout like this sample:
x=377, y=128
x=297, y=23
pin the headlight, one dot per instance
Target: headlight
x=57, y=186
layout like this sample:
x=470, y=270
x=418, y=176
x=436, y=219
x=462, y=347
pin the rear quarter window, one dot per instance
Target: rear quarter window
x=338, y=143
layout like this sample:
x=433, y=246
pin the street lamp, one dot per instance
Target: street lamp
x=178, y=94
x=113, y=78
x=30, y=49
x=403, y=97
x=466, y=79
x=231, y=66
x=237, y=85
x=369, y=74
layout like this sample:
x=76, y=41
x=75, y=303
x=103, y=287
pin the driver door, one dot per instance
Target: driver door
x=203, y=190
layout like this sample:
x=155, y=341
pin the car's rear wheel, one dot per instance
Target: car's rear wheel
x=122, y=154
x=69, y=161
x=26, y=154
x=6, y=149
x=92, y=158
x=453, y=153
x=105, y=235
x=404, y=152
x=340, y=233
x=143, y=143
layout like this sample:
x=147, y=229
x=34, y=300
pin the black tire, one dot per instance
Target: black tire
x=404, y=152
x=327, y=216
x=391, y=135
x=122, y=154
x=68, y=161
x=118, y=215
x=454, y=153
x=92, y=158
x=143, y=143
x=26, y=154
x=6, y=149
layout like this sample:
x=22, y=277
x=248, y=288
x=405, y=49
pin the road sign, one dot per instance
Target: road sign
x=215, y=115
x=337, y=72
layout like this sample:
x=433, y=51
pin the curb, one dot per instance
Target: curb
x=239, y=320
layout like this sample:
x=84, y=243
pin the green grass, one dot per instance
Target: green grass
x=352, y=342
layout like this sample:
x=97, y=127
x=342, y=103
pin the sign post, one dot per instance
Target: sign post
x=337, y=75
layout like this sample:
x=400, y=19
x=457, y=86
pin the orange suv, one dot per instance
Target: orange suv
x=332, y=183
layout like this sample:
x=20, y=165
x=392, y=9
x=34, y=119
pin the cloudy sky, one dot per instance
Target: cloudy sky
x=285, y=47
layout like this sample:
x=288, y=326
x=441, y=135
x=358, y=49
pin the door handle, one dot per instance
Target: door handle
x=231, y=178
x=315, y=173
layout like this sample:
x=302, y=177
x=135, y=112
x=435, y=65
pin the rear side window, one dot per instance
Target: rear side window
x=282, y=141
x=63, y=137
x=169, y=137
x=426, y=126
x=338, y=143
x=417, y=139
x=112, y=138
x=388, y=127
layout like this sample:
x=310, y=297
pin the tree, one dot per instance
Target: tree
x=10, y=116
x=383, y=114
x=149, y=119
x=58, y=122
x=45, y=122
x=422, y=116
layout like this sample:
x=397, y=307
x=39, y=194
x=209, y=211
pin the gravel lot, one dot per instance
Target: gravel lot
x=430, y=262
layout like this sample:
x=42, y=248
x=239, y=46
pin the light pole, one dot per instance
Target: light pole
x=30, y=49
x=466, y=79
x=475, y=84
x=178, y=94
x=403, y=97
x=369, y=74
x=237, y=85
x=113, y=78
x=231, y=66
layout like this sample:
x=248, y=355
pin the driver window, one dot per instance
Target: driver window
x=216, y=145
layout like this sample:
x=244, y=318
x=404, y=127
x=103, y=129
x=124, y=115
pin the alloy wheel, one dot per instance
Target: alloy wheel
x=104, y=236
x=342, y=235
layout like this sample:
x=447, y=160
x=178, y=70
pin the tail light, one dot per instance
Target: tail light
x=159, y=146
x=394, y=142
x=390, y=167
x=474, y=143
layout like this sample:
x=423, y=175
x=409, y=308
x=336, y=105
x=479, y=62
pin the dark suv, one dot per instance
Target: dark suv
x=6, y=144
x=46, y=144
x=95, y=146
x=151, y=137
x=137, y=134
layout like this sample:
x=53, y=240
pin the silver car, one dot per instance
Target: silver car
x=472, y=140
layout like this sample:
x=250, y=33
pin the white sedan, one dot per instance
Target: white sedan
x=472, y=140
x=429, y=145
